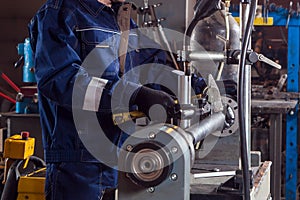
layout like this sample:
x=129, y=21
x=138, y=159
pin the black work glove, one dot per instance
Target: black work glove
x=146, y=97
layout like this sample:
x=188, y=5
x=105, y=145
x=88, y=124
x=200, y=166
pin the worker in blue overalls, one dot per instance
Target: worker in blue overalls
x=63, y=34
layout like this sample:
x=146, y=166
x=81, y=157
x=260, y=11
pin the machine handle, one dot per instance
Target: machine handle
x=264, y=59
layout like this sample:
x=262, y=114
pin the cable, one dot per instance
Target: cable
x=241, y=103
x=203, y=8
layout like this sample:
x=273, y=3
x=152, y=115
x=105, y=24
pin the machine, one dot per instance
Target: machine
x=161, y=161
x=204, y=152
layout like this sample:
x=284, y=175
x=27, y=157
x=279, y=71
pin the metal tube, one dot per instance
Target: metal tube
x=189, y=12
x=215, y=174
x=227, y=44
x=207, y=126
x=184, y=97
x=204, y=55
x=165, y=40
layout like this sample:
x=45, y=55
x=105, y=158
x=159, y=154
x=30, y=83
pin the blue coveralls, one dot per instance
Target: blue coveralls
x=62, y=34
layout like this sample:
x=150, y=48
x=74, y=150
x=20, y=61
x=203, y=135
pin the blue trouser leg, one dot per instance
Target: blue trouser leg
x=78, y=180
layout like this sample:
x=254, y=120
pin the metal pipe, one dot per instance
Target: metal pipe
x=207, y=126
x=165, y=40
x=227, y=44
x=189, y=12
x=184, y=97
x=215, y=174
x=207, y=55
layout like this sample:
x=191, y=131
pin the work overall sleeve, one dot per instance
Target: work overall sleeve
x=58, y=63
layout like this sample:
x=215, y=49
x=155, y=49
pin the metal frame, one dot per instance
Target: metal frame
x=279, y=17
x=291, y=174
x=275, y=152
x=276, y=108
x=291, y=165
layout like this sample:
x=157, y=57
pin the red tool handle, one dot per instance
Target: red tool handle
x=12, y=84
x=7, y=98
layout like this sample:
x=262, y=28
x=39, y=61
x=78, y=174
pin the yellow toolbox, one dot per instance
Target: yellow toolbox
x=18, y=147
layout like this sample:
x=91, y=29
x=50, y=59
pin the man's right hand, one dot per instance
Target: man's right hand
x=146, y=97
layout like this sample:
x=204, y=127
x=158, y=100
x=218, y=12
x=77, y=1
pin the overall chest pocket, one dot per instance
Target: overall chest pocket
x=100, y=47
x=97, y=37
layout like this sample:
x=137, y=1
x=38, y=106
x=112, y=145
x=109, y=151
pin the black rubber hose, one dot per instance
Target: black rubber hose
x=241, y=103
x=10, y=190
x=202, y=9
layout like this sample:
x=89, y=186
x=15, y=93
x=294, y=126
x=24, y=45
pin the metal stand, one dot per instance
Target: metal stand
x=276, y=108
x=291, y=174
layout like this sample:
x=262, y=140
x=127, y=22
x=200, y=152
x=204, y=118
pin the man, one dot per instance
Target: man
x=63, y=33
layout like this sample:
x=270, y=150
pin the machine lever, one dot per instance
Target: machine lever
x=264, y=59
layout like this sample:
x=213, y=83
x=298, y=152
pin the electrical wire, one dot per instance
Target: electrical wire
x=241, y=103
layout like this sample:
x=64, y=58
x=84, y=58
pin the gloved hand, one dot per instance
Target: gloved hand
x=146, y=97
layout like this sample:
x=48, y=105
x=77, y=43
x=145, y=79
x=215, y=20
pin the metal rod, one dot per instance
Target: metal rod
x=214, y=174
x=207, y=126
x=184, y=97
x=204, y=55
x=226, y=44
x=165, y=40
x=244, y=14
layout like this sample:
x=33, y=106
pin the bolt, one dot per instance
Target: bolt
x=174, y=149
x=129, y=147
x=216, y=169
x=152, y=135
x=174, y=177
x=151, y=189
